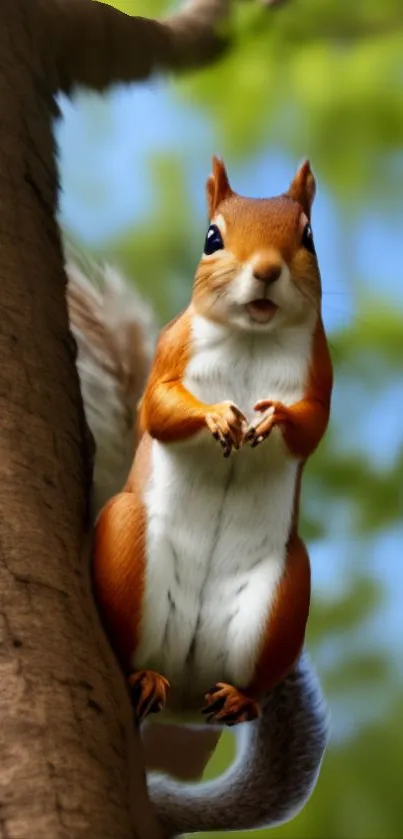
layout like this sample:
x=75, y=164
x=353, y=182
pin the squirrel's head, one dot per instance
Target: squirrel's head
x=259, y=269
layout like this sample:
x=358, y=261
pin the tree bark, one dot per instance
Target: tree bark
x=64, y=736
x=96, y=45
x=63, y=748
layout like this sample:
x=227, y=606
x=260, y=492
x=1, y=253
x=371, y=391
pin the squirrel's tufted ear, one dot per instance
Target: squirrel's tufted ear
x=303, y=188
x=217, y=186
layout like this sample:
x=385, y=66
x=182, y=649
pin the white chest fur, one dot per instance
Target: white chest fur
x=246, y=367
x=217, y=529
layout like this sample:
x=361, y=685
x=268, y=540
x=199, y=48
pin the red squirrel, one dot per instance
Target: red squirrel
x=200, y=575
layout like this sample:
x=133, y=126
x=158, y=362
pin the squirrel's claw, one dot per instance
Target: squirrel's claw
x=260, y=428
x=271, y=413
x=226, y=705
x=227, y=425
x=148, y=692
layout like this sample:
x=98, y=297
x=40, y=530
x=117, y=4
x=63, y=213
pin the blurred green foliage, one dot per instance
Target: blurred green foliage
x=326, y=77
x=309, y=74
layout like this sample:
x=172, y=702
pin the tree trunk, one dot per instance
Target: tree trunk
x=63, y=747
x=63, y=710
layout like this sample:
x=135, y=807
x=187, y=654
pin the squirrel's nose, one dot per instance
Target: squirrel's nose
x=267, y=273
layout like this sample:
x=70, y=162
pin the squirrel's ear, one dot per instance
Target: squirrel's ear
x=217, y=186
x=303, y=188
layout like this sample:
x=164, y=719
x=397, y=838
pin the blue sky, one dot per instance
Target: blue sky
x=104, y=144
x=104, y=139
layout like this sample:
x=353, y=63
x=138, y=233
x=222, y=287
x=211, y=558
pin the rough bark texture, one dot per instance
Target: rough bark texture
x=63, y=710
x=62, y=766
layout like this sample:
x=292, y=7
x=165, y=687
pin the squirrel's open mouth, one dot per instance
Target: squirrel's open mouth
x=261, y=310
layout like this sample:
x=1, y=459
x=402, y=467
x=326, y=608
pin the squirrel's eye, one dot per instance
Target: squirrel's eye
x=307, y=239
x=213, y=241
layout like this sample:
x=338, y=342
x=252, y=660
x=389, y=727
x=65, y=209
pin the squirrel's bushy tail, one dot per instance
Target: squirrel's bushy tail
x=115, y=333
x=275, y=771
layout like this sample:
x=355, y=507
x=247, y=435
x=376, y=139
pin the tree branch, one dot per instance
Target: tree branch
x=96, y=45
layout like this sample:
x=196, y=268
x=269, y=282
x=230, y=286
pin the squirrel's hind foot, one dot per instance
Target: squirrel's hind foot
x=227, y=705
x=148, y=692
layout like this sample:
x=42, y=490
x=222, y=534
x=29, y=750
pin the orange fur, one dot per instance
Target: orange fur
x=252, y=225
x=308, y=419
x=217, y=187
x=286, y=623
x=168, y=411
x=304, y=424
x=303, y=188
x=140, y=470
x=269, y=231
x=118, y=572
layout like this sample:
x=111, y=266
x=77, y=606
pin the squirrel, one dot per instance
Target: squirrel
x=201, y=578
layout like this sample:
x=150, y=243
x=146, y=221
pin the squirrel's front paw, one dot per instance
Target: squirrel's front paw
x=271, y=413
x=227, y=425
x=148, y=692
x=226, y=705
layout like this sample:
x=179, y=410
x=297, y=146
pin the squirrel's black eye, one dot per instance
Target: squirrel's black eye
x=307, y=239
x=213, y=241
